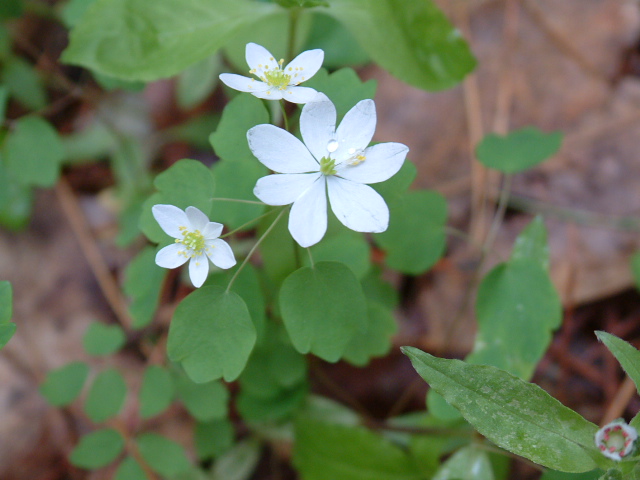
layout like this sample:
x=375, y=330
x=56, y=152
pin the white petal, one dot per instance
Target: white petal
x=279, y=150
x=198, y=270
x=220, y=253
x=318, y=126
x=259, y=57
x=359, y=207
x=169, y=256
x=171, y=218
x=284, y=188
x=382, y=162
x=308, y=216
x=304, y=66
x=198, y=219
x=212, y=230
x=243, y=84
x=356, y=129
x=299, y=94
x=271, y=93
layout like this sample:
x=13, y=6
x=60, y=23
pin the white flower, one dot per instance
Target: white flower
x=196, y=239
x=276, y=82
x=337, y=162
x=616, y=439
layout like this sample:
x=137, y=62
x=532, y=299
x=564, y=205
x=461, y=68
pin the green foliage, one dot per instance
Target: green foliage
x=106, y=395
x=375, y=339
x=100, y=339
x=156, y=392
x=7, y=329
x=97, y=449
x=513, y=414
x=24, y=83
x=531, y=245
x=73, y=11
x=4, y=99
x=518, y=150
x=347, y=247
x=415, y=239
x=238, y=463
x=323, y=308
x=33, y=152
x=467, y=463
x=331, y=36
x=325, y=451
x=16, y=200
x=63, y=385
x=204, y=401
x=555, y=475
x=211, y=334
x=129, y=469
x=626, y=354
x=635, y=268
x=344, y=88
x=164, y=456
x=142, y=284
x=137, y=40
x=11, y=9
x=187, y=183
x=197, y=82
x=412, y=40
x=213, y=438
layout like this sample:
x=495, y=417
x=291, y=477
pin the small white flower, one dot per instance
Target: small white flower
x=276, y=82
x=196, y=239
x=616, y=439
x=333, y=162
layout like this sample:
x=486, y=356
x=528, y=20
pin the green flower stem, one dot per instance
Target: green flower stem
x=253, y=249
x=247, y=224
x=237, y=200
x=310, y=258
x=294, y=16
x=284, y=116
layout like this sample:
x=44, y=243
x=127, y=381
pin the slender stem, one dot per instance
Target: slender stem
x=284, y=116
x=247, y=224
x=237, y=200
x=294, y=15
x=503, y=201
x=253, y=249
x=310, y=257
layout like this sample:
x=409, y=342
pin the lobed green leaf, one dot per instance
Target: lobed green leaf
x=163, y=455
x=100, y=339
x=204, y=401
x=130, y=469
x=106, y=395
x=63, y=385
x=142, y=283
x=97, y=449
x=156, y=391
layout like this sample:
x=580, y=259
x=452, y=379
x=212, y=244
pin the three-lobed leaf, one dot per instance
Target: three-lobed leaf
x=204, y=401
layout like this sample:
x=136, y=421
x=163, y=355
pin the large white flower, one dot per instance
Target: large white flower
x=276, y=82
x=337, y=162
x=196, y=239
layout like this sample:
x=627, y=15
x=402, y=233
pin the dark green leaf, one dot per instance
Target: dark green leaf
x=156, y=392
x=11, y=9
x=100, y=339
x=106, y=395
x=4, y=98
x=555, y=475
x=282, y=405
x=346, y=247
x=129, y=469
x=515, y=415
x=626, y=354
x=375, y=339
x=143, y=281
x=97, y=449
x=518, y=150
x=6, y=332
x=64, y=384
x=6, y=302
x=16, y=201
x=323, y=308
x=204, y=401
x=331, y=36
x=197, y=82
x=214, y=438
x=137, y=40
x=278, y=250
x=164, y=456
x=412, y=40
x=396, y=186
x=33, y=152
x=24, y=83
x=211, y=334
x=380, y=291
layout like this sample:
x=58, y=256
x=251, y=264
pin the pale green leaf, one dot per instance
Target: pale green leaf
x=238, y=463
x=163, y=455
x=24, y=83
x=519, y=150
x=6, y=302
x=555, y=475
x=16, y=201
x=211, y=334
x=204, y=401
x=130, y=469
x=63, y=385
x=146, y=40
x=635, y=268
x=515, y=415
x=468, y=463
x=6, y=332
x=197, y=82
x=625, y=353
x=73, y=10
x=531, y=244
x=142, y=283
x=106, y=395
x=323, y=308
x=156, y=392
x=100, y=339
x=97, y=449
x=375, y=338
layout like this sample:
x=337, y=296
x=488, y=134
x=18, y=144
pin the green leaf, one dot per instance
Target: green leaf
x=344, y=88
x=33, y=152
x=555, y=475
x=73, y=11
x=414, y=41
x=197, y=82
x=415, y=239
x=100, y=339
x=4, y=99
x=142, y=40
x=518, y=150
x=204, y=401
x=513, y=414
x=213, y=438
x=635, y=268
x=11, y=9
x=230, y=138
x=97, y=449
x=106, y=395
x=187, y=183
x=625, y=353
x=331, y=36
x=280, y=406
x=468, y=463
x=6, y=332
x=380, y=291
x=129, y=469
x=24, y=83
x=238, y=463
x=211, y=334
x=163, y=456
x=325, y=451
x=278, y=250
x=394, y=188
x=156, y=392
x=16, y=201
x=375, y=339
x=142, y=283
x=63, y=385
x=323, y=308
x=6, y=302
x=346, y=247
x=531, y=244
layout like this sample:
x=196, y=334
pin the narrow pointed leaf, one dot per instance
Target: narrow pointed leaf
x=625, y=353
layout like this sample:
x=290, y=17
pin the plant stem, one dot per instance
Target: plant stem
x=253, y=249
x=246, y=224
x=284, y=116
x=294, y=15
x=311, y=258
x=238, y=200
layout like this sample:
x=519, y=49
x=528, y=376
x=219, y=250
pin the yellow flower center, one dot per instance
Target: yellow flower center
x=194, y=241
x=275, y=78
x=327, y=166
